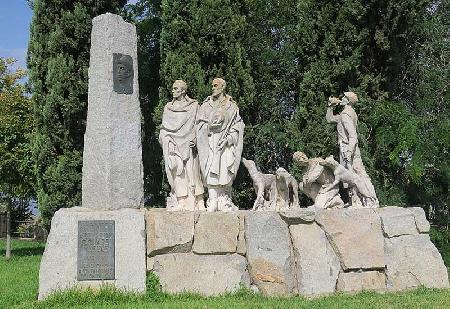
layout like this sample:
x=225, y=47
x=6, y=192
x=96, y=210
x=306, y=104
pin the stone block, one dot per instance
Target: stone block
x=269, y=253
x=112, y=156
x=58, y=270
x=299, y=215
x=359, y=281
x=317, y=265
x=356, y=236
x=412, y=261
x=169, y=232
x=216, y=233
x=397, y=221
x=204, y=274
x=423, y=226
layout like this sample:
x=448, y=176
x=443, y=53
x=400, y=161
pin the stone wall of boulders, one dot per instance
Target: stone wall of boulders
x=304, y=251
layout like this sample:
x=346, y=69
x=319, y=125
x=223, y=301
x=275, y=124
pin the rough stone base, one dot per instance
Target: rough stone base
x=302, y=252
x=58, y=269
x=212, y=275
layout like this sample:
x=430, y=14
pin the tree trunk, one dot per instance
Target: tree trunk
x=8, y=233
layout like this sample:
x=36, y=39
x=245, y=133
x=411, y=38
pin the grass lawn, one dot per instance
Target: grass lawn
x=19, y=286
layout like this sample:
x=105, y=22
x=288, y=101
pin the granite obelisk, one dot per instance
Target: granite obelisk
x=112, y=157
x=103, y=242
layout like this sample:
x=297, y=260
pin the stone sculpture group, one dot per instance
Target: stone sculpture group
x=288, y=250
x=202, y=147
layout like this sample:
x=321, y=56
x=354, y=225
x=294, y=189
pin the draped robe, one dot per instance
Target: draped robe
x=181, y=160
x=214, y=125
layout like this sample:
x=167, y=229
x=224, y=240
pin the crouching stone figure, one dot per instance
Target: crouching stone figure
x=318, y=182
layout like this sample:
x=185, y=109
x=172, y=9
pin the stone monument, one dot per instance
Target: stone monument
x=103, y=242
x=178, y=140
x=220, y=132
x=349, y=154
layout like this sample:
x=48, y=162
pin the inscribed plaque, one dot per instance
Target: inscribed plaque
x=96, y=250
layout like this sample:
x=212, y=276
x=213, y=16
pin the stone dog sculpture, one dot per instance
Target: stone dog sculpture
x=264, y=184
x=287, y=190
x=341, y=174
x=273, y=192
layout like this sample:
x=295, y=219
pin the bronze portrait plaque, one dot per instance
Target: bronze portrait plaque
x=123, y=73
x=96, y=250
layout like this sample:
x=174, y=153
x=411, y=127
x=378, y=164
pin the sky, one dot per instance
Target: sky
x=15, y=19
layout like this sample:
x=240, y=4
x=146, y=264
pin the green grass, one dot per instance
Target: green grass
x=19, y=286
x=19, y=275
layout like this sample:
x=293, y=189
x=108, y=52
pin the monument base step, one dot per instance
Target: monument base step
x=90, y=248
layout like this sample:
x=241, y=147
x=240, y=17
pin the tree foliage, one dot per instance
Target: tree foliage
x=16, y=125
x=58, y=59
x=146, y=15
x=283, y=59
x=200, y=40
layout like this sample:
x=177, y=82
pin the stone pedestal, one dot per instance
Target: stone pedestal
x=303, y=252
x=62, y=267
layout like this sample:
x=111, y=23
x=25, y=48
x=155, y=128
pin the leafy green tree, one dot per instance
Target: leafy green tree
x=16, y=125
x=58, y=59
x=418, y=129
x=201, y=40
x=303, y=52
x=286, y=57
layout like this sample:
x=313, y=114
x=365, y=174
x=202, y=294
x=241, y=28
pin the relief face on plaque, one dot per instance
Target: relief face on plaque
x=96, y=250
x=123, y=73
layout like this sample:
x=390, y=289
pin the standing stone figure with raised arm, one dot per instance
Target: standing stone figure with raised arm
x=178, y=140
x=349, y=154
x=220, y=131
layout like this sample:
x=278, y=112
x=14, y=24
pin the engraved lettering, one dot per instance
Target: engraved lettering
x=96, y=256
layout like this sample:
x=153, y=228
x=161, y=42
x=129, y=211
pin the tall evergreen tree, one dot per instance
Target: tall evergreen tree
x=146, y=15
x=58, y=59
x=201, y=40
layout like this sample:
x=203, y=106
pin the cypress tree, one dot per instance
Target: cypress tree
x=146, y=15
x=58, y=59
x=201, y=40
